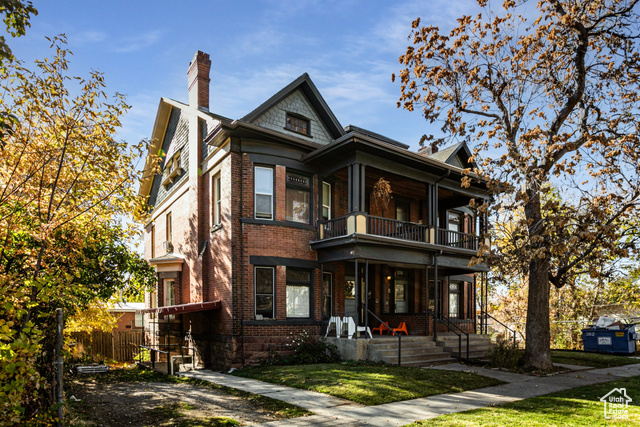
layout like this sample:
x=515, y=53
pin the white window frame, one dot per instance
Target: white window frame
x=256, y=193
x=139, y=322
x=326, y=185
x=169, y=292
x=217, y=200
x=293, y=289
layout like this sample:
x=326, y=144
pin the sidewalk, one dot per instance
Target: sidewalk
x=333, y=411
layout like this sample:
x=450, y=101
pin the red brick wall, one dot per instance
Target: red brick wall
x=125, y=319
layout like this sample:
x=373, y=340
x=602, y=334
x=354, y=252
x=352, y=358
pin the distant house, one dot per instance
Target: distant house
x=268, y=225
x=129, y=316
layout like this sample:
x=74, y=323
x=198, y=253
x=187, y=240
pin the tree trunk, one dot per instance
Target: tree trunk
x=537, y=353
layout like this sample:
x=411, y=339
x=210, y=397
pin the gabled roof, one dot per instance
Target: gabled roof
x=448, y=154
x=307, y=87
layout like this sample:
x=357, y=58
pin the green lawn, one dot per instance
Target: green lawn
x=595, y=360
x=575, y=407
x=369, y=384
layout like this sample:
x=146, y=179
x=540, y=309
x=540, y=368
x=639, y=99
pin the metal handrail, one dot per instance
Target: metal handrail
x=153, y=356
x=448, y=323
x=505, y=326
x=392, y=333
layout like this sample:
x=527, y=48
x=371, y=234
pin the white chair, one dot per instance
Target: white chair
x=337, y=321
x=352, y=329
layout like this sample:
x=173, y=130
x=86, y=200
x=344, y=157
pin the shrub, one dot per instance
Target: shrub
x=306, y=350
x=505, y=355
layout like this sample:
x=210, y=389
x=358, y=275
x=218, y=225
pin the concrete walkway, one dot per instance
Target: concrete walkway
x=333, y=411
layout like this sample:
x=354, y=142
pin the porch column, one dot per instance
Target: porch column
x=426, y=300
x=435, y=305
x=356, y=178
x=432, y=212
x=357, y=289
x=366, y=293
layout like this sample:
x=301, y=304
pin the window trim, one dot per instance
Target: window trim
x=273, y=291
x=299, y=283
x=217, y=199
x=459, y=293
x=168, y=228
x=169, y=296
x=255, y=193
x=153, y=241
x=329, y=206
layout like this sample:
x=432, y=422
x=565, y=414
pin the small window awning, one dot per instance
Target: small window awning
x=184, y=308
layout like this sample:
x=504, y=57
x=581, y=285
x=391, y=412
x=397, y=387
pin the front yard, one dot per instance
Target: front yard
x=137, y=397
x=369, y=384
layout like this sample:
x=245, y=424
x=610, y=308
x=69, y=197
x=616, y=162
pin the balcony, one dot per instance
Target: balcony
x=394, y=229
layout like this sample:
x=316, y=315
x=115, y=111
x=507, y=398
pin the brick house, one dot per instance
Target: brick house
x=269, y=225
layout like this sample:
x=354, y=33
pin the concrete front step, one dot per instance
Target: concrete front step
x=416, y=351
x=410, y=351
x=479, y=345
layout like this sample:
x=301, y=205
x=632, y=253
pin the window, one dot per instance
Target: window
x=298, y=193
x=264, y=292
x=401, y=290
x=169, y=292
x=455, y=299
x=327, y=295
x=402, y=211
x=172, y=169
x=217, y=201
x=139, y=322
x=263, y=183
x=298, y=293
x=297, y=124
x=454, y=221
x=153, y=241
x=169, y=233
x=326, y=201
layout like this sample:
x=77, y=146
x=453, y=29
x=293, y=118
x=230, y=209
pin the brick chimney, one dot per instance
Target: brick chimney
x=198, y=76
x=427, y=150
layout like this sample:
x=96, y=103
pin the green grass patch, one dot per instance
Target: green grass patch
x=575, y=407
x=595, y=360
x=368, y=384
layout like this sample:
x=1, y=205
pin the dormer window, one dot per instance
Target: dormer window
x=172, y=169
x=298, y=124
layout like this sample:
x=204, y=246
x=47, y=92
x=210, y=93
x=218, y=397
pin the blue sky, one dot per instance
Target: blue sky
x=348, y=47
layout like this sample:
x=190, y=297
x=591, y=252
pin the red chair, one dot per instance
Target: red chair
x=402, y=327
x=382, y=328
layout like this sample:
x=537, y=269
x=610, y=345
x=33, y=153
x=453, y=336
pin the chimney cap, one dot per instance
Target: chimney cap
x=198, y=80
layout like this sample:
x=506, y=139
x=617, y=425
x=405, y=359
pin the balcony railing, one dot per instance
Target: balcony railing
x=387, y=227
x=397, y=229
x=456, y=239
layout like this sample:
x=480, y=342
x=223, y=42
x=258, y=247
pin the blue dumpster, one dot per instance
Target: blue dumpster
x=619, y=341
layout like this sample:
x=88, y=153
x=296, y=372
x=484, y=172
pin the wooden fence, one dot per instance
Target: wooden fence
x=121, y=346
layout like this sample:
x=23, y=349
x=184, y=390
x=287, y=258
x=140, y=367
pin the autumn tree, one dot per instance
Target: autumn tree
x=66, y=186
x=17, y=15
x=548, y=100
